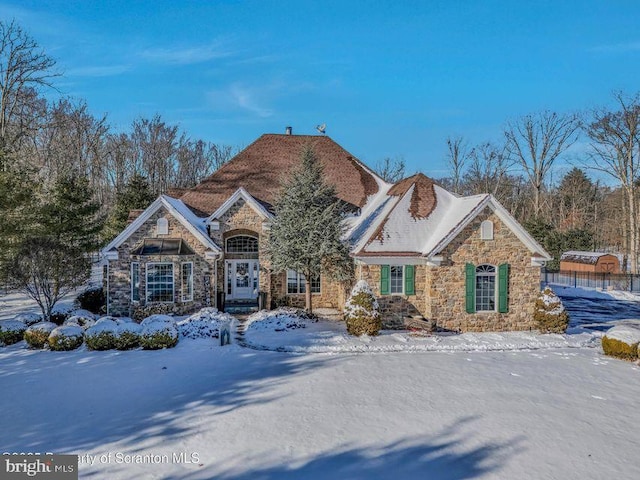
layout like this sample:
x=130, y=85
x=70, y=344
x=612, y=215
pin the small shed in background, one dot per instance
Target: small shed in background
x=597, y=262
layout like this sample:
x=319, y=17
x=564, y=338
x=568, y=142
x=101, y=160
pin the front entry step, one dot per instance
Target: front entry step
x=240, y=307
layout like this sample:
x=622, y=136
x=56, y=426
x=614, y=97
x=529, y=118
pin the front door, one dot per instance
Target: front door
x=242, y=279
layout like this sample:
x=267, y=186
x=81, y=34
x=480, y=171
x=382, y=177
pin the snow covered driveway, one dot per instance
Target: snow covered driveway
x=244, y=414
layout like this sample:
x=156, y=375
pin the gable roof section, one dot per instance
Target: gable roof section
x=418, y=217
x=180, y=212
x=237, y=195
x=261, y=168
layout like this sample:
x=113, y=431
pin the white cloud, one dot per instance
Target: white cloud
x=98, y=71
x=617, y=47
x=241, y=97
x=185, y=55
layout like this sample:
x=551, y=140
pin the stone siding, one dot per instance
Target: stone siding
x=447, y=289
x=332, y=294
x=119, y=290
x=393, y=308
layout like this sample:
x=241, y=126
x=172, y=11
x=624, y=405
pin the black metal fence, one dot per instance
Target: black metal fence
x=605, y=281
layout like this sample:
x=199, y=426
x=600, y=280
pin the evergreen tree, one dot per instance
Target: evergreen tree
x=306, y=235
x=136, y=194
x=70, y=216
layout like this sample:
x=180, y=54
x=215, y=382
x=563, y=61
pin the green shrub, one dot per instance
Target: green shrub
x=361, y=311
x=11, y=331
x=619, y=349
x=550, y=315
x=68, y=337
x=92, y=299
x=158, y=335
x=101, y=336
x=37, y=335
x=128, y=336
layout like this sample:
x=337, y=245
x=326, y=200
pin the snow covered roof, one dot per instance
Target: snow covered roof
x=417, y=217
x=251, y=201
x=180, y=212
x=590, y=258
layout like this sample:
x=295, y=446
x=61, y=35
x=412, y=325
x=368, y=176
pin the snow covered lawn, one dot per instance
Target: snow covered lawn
x=285, y=333
x=238, y=414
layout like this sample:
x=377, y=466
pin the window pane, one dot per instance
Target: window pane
x=242, y=244
x=315, y=284
x=160, y=282
x=292, y=281
x=135, y=282
x=187, y=282
x=486, y=288
x=396, y=279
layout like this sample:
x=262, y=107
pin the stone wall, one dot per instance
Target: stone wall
x=447, y=282
x=332, y=294
x=393, y=308
x=119, y=290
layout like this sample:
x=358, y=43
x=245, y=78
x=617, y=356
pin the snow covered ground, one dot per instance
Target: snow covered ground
x=266, y=330
x=201, y=411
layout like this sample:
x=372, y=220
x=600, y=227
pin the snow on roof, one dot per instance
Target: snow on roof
x=403, y=233
x=577, y=256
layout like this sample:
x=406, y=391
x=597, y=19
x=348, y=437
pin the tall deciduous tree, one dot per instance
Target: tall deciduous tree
x=391, y=169
x=306, y=234
x=536, y=141
x=615, y=150
x=457, y=156
x=24, y=68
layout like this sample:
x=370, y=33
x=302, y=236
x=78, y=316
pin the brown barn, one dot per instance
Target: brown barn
x=597, y=262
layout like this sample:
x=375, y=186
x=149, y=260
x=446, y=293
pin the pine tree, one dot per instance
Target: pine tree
x=70, y=216
x=136, y=194
x=306, y=234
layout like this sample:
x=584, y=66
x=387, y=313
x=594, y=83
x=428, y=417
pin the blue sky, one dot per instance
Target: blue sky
x=389, y=78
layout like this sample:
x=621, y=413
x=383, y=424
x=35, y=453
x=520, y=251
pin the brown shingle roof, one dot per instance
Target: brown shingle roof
x=262, y=166
x=423, y=198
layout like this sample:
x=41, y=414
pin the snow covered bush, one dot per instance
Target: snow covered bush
x=203, y=324
x=622, y=341
x=550, y=315
x=280, y=320
x=158, y=334
x=92, y=299
x=361, y=311
x=127, y=335
x=29, y=318
x=11, y=331
x=80, y=320
x=37, y=335
x=66, y=337
x=102, y=336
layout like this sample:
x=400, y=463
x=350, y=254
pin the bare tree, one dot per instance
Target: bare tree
x=615, y=150
x=488, y=170
x=24, y=68
x=457, y=156
x=391, y=169
x=535, y=141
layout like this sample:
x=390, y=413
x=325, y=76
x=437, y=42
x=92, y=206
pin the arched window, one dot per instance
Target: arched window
x=162, y=226
x=486, y=230
x=242, y=244
x=485, y=288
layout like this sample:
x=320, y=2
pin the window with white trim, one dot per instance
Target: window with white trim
x=296, y=283
x=160, y=286
x=162, y=226
x=486, y=230
x=397, y=279
x=186, y=270
x=135, y=282
x=485, y=288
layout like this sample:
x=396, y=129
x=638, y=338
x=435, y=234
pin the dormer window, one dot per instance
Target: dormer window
x=162, y=226
x=486, y=230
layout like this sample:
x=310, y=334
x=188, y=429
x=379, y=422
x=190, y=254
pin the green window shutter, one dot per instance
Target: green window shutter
x=503, y=288
x=470, y=287
x=409, y=280
x=385, y=280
